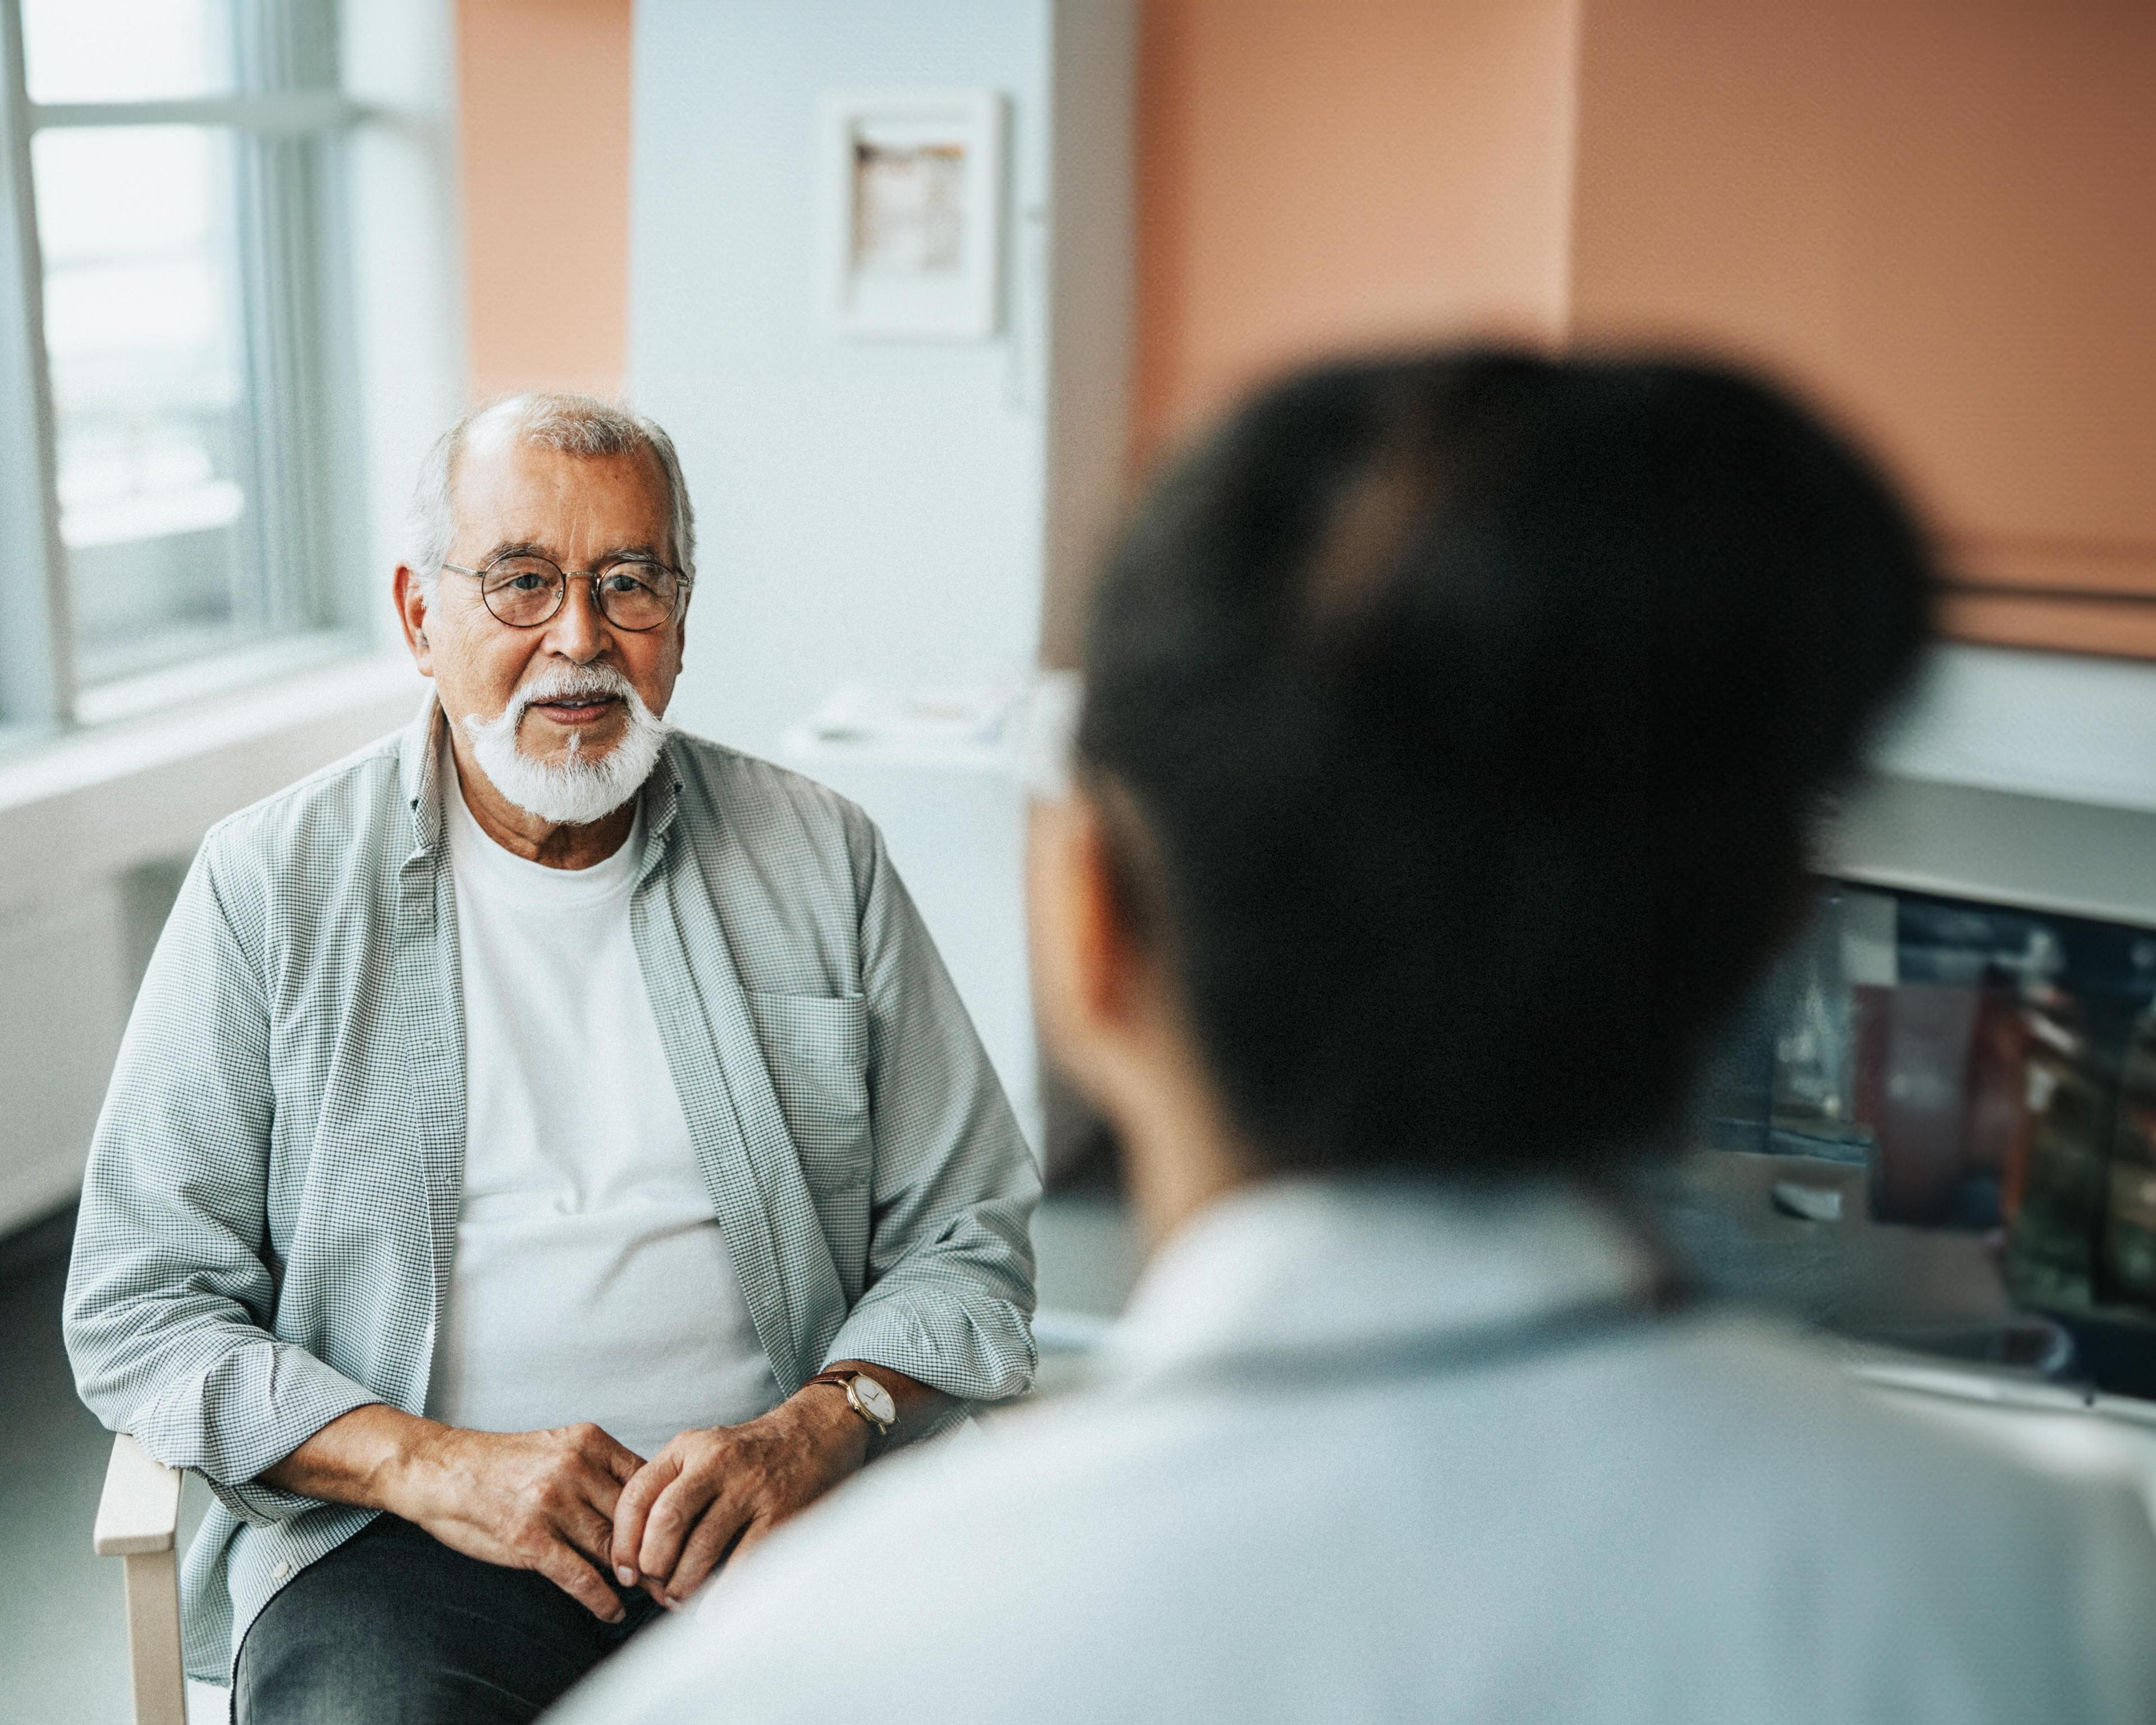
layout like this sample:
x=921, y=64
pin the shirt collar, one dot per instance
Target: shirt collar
x=419, y=775
x=662, y=803
x=1297, y=1264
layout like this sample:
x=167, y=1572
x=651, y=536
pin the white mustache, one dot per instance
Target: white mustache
x=569, y=683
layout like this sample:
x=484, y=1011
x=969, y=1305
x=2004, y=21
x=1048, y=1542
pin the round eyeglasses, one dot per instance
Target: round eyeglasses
x=524, y=590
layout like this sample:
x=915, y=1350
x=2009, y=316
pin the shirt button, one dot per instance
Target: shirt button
x=283, y=1572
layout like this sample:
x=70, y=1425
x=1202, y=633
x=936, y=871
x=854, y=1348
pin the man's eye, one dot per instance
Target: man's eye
x=624, y=580
x=526, y=581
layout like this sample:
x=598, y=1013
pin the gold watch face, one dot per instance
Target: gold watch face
x=873, y=1399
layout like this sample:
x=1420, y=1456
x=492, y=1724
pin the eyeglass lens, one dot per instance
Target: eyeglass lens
x=634, y=595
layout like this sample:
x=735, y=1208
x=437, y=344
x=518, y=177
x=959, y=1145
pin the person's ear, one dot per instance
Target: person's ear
x=412, y=614
x=1089, y=970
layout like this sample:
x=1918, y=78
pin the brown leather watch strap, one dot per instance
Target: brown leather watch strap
x=842, y=1378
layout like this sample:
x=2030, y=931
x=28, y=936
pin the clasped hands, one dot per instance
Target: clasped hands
x=582, y=1509
x=578, y=1507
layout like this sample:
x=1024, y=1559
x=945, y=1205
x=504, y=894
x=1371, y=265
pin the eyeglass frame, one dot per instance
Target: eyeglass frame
x=685, y=581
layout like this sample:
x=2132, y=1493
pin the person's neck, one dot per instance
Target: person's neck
x=523, y=834
x=1179, y=1155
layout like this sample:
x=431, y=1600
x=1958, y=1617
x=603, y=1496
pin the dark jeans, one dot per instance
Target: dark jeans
x=393, y=1628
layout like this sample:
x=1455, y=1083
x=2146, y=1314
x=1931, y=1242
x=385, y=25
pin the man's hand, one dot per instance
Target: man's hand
x=524, y=1500
x=708, y=1492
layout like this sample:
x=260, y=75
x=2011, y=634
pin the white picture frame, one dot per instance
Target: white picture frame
x=912, y=214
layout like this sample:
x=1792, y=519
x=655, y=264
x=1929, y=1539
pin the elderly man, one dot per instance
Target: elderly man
x=547, y=1151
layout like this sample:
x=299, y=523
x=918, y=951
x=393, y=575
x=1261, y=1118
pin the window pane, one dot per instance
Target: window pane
x=142, y=328
x=126, y=50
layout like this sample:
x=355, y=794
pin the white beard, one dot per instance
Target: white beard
x=573, y=790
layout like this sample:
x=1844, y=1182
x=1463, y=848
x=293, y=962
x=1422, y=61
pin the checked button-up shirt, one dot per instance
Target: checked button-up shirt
x=270, y=1209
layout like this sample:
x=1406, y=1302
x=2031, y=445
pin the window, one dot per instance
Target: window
x=176, y=330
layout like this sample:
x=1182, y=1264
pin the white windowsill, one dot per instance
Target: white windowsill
x=232, y=670
x=106, y=753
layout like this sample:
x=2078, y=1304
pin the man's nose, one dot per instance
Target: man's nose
x=578, y=630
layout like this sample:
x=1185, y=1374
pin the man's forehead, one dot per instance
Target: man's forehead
x=510, y=489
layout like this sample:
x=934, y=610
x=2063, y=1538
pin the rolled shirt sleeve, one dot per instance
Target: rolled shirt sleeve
x=172, y=1292
x=948, y=1297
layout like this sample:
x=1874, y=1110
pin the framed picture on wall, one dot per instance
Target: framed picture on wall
x=913, y=197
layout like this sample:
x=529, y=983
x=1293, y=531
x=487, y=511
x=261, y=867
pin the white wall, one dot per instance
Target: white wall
x=62, y=976
x=868, y=511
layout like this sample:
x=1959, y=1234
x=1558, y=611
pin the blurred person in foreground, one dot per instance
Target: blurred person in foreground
x=547, y=1151
x=1451, y=732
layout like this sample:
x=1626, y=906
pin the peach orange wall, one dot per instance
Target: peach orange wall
x=1937, y=213
x=1348, y=173
x=545, y=87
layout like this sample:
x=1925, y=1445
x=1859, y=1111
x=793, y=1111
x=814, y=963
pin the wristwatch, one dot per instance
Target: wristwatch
x=864, y=1395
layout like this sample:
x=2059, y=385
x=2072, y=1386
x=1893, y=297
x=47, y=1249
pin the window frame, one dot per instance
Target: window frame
x=297, y=278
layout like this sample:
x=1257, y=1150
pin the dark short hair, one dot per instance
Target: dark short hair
x=1461, y=721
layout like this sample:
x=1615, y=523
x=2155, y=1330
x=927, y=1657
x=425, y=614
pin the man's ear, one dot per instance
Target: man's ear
x=412, y=615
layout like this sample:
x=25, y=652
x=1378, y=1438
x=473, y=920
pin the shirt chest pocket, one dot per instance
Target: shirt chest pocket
x=816, y=1047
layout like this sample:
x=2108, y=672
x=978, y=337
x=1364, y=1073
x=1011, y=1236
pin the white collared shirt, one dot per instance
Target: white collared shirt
x=1695, y=1518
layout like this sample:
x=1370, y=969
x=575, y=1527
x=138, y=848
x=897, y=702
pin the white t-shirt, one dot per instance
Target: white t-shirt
x=591, y=1281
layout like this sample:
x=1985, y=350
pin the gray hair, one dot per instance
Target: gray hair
x=575, y=425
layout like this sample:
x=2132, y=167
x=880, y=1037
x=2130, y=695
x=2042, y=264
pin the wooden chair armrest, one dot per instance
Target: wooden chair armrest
x=140, y=1511
x=138, y=1520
